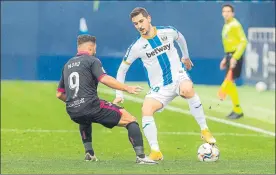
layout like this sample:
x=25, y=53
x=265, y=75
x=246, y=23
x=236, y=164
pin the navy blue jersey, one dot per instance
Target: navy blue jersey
x=79, y=81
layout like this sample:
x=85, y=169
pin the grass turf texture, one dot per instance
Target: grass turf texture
x=53, y=145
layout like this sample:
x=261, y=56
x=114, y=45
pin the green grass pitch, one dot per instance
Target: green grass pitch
x=38, y=137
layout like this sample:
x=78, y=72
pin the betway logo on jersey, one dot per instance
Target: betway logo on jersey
x=159, y=50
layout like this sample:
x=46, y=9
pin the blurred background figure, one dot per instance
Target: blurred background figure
x=234, y=43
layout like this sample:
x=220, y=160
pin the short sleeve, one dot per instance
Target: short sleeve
x=97, y=69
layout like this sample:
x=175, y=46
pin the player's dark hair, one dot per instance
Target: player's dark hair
x=230, y=6
x=137, y=11
x=86, y=38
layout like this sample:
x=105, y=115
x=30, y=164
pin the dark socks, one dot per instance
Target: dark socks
x=86, y=136
x=136, y=139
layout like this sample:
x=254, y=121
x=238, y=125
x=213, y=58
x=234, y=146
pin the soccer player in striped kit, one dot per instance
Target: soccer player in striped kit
x=167, y=77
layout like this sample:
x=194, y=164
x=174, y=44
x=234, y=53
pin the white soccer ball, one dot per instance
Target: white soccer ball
x=208, y=153
x=261, y=86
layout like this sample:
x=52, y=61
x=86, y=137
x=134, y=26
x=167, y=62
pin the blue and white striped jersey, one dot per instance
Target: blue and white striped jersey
x=159, y=56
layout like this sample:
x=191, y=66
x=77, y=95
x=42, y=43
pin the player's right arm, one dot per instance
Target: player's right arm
x=114, y=84
x=99, y=73
x=130, y=56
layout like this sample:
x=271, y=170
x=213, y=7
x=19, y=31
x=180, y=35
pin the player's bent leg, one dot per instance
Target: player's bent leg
x=126, y=118
x=186, y=90
x=150, y=106
x=135, y=136
x=86, y=136
x=85, y=129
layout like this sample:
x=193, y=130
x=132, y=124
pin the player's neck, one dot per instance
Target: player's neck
x=229, y=20
x=151, y=34
x=82, y=52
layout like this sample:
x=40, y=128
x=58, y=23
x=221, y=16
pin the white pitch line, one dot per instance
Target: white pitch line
x=215, y=134
x=38, y=130
x=175, y=109
x=124, y=132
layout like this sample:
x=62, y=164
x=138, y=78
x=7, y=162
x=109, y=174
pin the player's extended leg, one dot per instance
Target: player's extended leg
x=186, y=90
x=150, y=106
x=86, y=136
x=135, y=136
x=112, y=115
x=85, y=128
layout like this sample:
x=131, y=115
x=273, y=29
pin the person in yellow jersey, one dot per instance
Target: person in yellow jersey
x=234, y=43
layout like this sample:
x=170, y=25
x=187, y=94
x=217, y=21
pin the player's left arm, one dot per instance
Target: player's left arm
x=60, y=94
x=181, y=41
x=238, y=29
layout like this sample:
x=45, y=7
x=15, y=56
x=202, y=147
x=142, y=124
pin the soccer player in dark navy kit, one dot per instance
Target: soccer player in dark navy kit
x=78, y=89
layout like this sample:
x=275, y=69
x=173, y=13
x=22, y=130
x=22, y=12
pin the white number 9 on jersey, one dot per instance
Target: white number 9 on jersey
x=74, y=83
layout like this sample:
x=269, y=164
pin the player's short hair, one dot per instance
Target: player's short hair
x=137, y=11
x=86, y=38
x=228, y=5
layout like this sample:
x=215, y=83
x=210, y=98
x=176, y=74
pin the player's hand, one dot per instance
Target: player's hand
x=118, y=100
x=187, y=62
x=222, y=65
x=233, y=63
x=134, y=89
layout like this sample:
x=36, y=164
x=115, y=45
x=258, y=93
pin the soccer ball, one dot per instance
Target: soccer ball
x=261, y=86
x=208, y=153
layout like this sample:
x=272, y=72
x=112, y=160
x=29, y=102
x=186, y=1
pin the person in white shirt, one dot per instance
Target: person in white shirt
x=166, y=74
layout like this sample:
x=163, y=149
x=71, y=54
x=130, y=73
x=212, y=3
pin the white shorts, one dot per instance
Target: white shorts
x=166, y=94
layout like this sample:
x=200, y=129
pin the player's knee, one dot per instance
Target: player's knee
x=186, y=89
x=128, y=120
x=147, y=110
x=144, y=108
x=132, y=119
x=133, y=126
x=126, y=117
x=187, y=93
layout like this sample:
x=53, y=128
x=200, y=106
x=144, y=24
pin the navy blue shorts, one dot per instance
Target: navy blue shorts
x=109, y=115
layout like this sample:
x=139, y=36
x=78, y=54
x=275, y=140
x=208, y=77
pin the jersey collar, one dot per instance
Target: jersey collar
x=155, y=33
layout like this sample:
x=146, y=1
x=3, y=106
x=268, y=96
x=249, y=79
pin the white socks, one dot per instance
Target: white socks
x=197, y=111
x=150, y=129
x=150, y=132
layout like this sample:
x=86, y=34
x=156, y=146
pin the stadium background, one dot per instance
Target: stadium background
x=39, y=37
x=37, y=136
